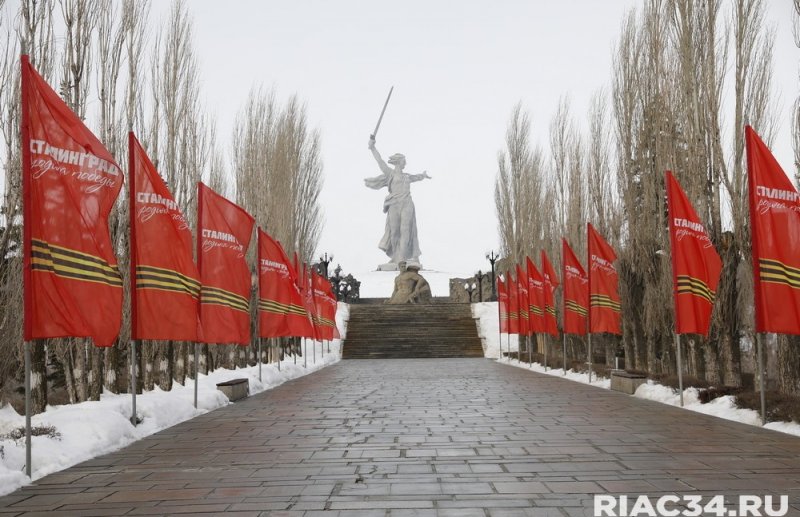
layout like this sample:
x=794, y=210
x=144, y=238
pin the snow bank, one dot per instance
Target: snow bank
x=93, y=428
x=722, y=407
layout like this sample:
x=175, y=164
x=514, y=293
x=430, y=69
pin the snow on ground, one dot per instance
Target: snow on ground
x=722, y=407
x=93, y=428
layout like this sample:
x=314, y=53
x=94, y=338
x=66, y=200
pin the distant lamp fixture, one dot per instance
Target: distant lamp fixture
x=492, y=257
x=479, y=279
x=470, y=288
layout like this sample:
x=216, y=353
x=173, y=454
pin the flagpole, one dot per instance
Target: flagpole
x=546, y=342
x=28, y=409
x=529, y=346
x=134, y=372
x=196, y=370
x=26, y=247
x=259, y=359
x=761, y=374
x=680, y=367
x=589, y=334
x=305, y=353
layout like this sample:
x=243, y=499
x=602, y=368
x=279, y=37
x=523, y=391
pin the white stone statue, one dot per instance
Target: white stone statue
x=400, y=237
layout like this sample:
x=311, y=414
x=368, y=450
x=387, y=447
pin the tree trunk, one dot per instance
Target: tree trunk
x=94, y=373
x=77, y=348
x=203, y=367
x=166, y=365
x=147, y=352
x=113, y=368
x=181, y=359
x=65, y=358
x=38, y=377
x=789, y=364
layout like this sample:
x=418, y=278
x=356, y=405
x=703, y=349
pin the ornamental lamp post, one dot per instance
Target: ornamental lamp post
x=492, y=257
x=479, y=279
x=470, y=288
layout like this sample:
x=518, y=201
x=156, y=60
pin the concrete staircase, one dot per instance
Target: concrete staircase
x=378, y=331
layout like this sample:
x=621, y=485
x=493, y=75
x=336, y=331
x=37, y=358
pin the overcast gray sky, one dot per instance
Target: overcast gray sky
x=458, y=68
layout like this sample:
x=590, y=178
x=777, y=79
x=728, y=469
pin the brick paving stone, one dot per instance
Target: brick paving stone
x=425, y=437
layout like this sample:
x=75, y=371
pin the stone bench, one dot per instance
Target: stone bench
x=235, y=389
x=626, y=382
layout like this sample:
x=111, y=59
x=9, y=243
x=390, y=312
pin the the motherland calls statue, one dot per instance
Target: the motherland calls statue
x=400, y=237
x=410, y=286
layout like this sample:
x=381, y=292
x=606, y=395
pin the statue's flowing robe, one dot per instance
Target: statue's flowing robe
x=399, y=239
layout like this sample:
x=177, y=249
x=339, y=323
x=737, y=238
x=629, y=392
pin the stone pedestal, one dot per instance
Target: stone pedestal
x=235, y=389
x=626, y=382
x=391, y=266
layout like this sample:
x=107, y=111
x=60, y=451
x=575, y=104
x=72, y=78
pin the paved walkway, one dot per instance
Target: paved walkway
x=423, y=437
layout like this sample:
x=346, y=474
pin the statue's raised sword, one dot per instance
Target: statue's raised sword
x=378, y=125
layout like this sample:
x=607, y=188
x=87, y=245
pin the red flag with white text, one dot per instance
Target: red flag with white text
x=326, y=311
x=162, y=265
x=535, y=297
x=224, y=231
x=550, y=284
x=695, y=264
x=576, y=291
x=604, y=303
x=277, y=292
x=523, y=302
x=513, y=304
x=502, y=305
x=775, y=223
x=72, y=286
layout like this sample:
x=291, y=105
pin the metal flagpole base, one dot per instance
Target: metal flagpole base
x=134, y=372
x=590, y=357
x=680, y=367
x=761, y=374
x=28, y=409
x=546, y=342
x=196, y=371
x=259, y=359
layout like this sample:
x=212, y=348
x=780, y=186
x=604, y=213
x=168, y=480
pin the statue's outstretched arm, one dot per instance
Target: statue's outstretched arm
x=419, y=177
x=382, y=164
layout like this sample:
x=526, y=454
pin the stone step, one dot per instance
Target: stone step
x=411, y=331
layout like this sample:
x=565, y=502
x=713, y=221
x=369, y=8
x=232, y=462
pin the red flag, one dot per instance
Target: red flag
x=163, y=273
x=775, y=221
x=513, y=304
x=604, y=306
x=308, y=303
x=300, y=322
x=502, y=305
x=535, y=297
x=550, y=284
x=524, y=302
x=576, y=291
x=326, y=312
x=224, y=230
x=277, y=292
x=695, y=263
x=71, y=283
